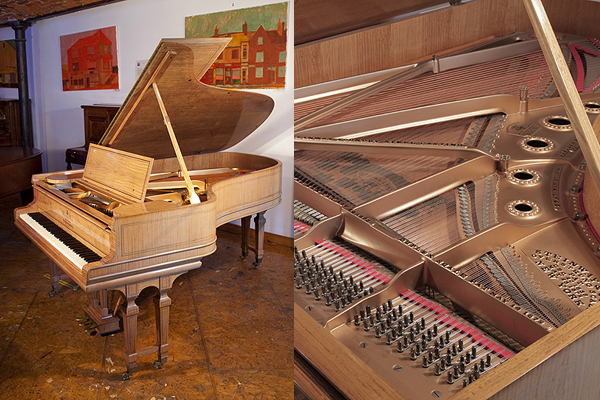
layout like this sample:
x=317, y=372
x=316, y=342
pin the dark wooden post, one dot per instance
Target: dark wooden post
x=26, y=134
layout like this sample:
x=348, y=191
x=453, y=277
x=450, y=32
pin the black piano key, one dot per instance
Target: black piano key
x=79, y=248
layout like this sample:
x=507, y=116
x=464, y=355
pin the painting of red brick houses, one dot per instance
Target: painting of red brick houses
x=256, y=56
x=8, y=64
x=89, y=60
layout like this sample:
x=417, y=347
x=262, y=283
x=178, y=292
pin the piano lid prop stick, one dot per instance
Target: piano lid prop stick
x=194, y=199
x=566, y=87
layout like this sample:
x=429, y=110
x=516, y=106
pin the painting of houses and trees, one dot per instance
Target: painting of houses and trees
x=8, y=64
x=89, y=60
x=256, y=56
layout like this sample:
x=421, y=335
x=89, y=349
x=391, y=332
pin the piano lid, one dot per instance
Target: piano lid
x=205, y=119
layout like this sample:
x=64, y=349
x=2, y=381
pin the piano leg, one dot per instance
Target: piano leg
x=245, y=236
x=54, y=278
x=259, y=235
x=162, y=303
x=130, y=328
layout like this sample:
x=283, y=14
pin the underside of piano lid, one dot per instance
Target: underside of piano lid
x=204, y=119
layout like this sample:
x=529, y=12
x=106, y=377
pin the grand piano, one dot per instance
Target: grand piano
x=145, y=208
x=445, y=237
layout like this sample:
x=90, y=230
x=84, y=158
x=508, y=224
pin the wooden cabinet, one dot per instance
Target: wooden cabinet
x=96, y=119
x=10, y=123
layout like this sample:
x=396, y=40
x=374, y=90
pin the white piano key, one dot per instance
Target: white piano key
x=57, y=244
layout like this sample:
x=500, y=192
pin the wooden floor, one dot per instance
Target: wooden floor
x=231, y=333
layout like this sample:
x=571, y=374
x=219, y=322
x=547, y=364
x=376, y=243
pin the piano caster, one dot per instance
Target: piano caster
x=157, y=364
x=242, y=258
x=75, y=288
x=129, y=373
x=53, y=292
x=256, y=263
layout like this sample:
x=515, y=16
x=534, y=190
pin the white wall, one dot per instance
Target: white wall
x=58, y=117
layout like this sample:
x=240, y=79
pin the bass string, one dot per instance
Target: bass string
x=359, y=178
x=496, y=77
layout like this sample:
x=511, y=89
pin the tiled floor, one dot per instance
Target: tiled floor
x=231, y=332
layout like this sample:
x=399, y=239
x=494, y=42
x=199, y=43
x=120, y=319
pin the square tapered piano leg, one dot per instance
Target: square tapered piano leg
x=259, y=235
x=162, y=304
x=56, y=277
x=245, y=236
x=130, y=326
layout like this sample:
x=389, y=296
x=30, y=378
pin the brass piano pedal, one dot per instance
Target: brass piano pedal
x=91, y=329
x=79, y=319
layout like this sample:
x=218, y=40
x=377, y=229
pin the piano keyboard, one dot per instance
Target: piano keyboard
x=430, y=338
x=78, y=253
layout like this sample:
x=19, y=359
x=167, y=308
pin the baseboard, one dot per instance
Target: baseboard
x=269, y=237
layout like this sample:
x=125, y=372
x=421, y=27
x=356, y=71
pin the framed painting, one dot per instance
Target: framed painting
x=89, y=60
x=8, y=64
x=256, y=56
